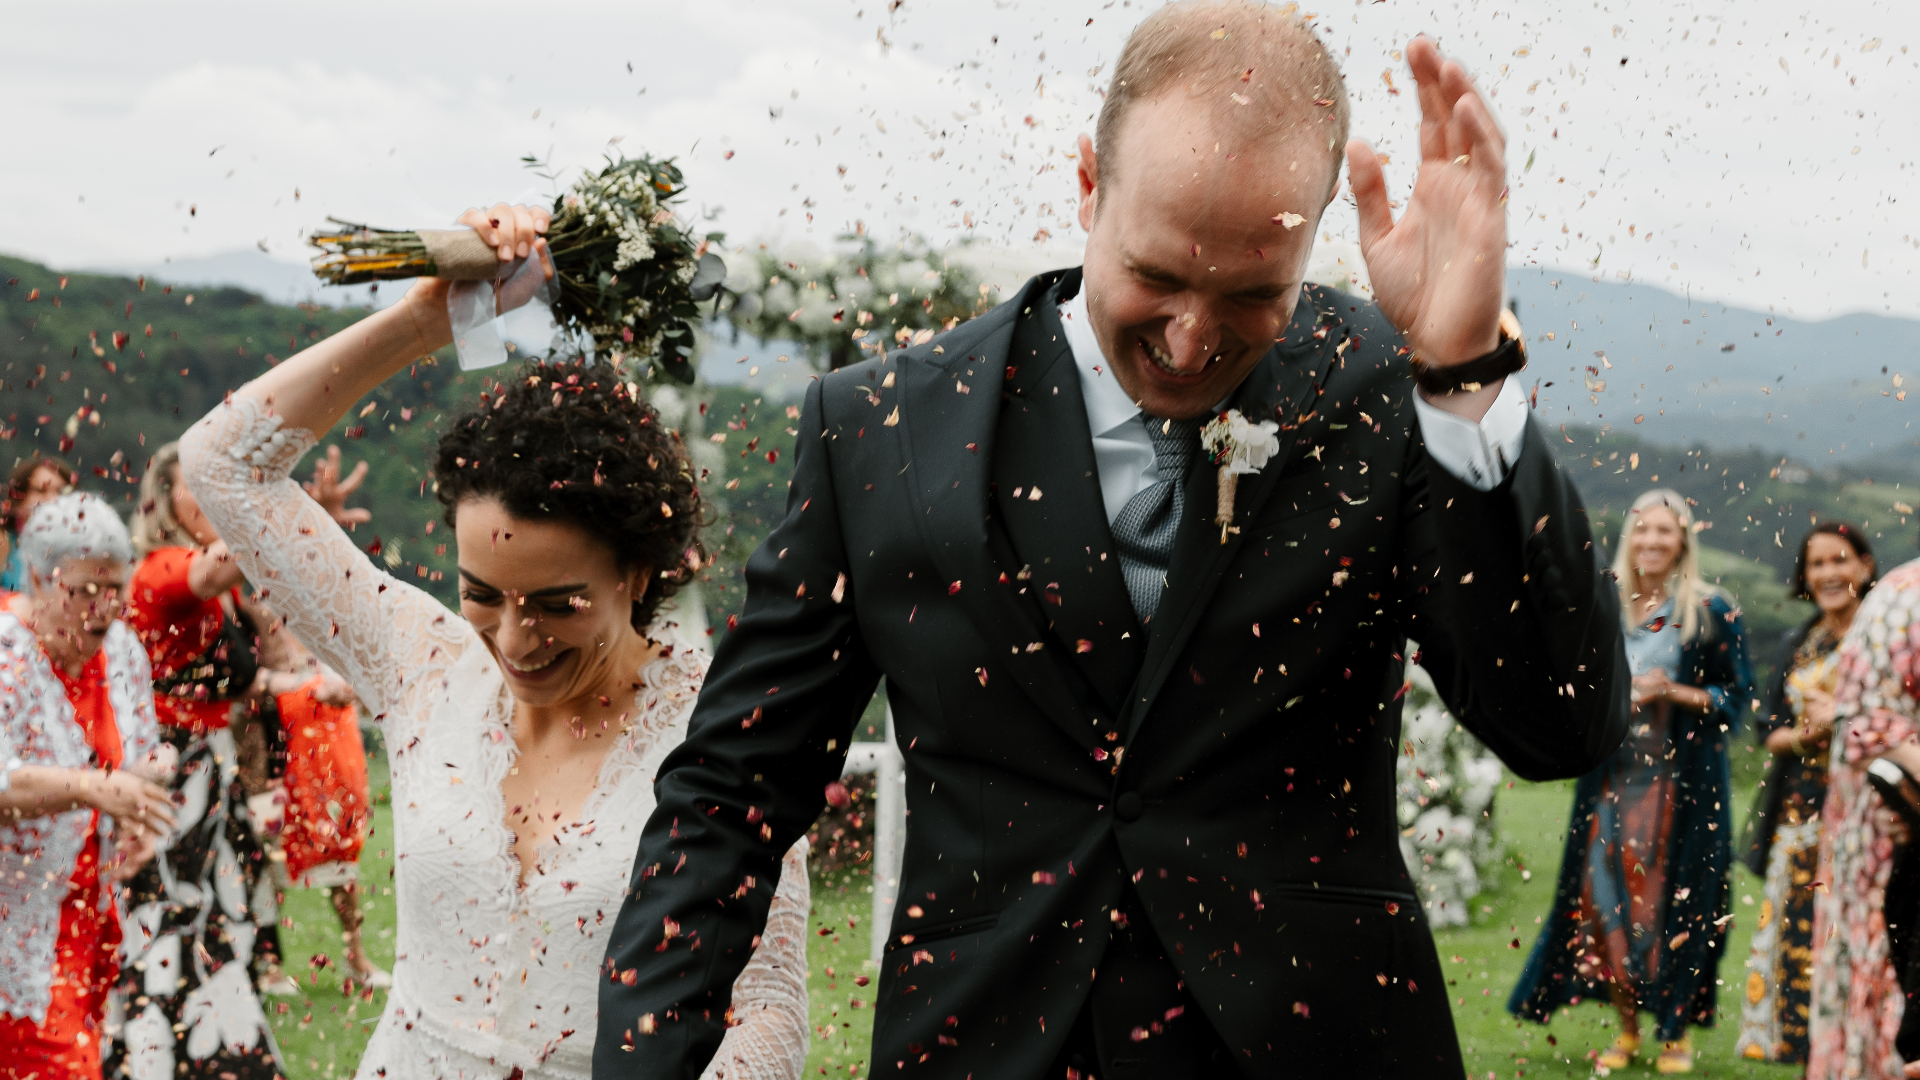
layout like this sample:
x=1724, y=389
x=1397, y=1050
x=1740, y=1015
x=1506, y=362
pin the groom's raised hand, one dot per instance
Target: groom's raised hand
x=1438, y=272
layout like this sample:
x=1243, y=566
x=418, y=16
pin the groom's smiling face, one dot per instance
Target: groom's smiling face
x=1191, y=270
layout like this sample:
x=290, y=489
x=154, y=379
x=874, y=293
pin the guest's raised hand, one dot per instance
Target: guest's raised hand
x=331, y=491
x=1439, y=272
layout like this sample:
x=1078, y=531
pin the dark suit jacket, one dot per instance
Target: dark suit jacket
x=1236, y=761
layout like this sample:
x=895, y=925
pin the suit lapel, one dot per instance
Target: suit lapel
x=1047, y=493
x=949, y=407
x=1282, y=388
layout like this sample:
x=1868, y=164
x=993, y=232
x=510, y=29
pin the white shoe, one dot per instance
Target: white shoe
x=279, y=984
x=374, y=979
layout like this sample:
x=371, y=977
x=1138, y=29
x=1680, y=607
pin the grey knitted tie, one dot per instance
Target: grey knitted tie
x=1145, y=530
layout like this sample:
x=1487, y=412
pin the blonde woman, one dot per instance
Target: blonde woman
x=1643, y=883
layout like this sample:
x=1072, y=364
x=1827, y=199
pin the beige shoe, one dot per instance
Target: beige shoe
x=1675, y=1057
x=277, y=983
x=1620, y=1054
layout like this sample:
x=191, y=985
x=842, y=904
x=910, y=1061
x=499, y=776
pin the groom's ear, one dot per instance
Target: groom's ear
x=1089, y=176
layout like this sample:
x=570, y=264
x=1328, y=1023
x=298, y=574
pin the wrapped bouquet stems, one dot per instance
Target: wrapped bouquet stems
x=626, y=273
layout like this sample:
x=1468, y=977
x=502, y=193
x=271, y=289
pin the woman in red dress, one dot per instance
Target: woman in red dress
x=78, y=756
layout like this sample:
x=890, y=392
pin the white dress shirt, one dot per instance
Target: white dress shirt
x=1479, y=454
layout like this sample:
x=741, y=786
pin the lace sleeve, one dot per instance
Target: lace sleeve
x=382, y=635
x=769, y=1038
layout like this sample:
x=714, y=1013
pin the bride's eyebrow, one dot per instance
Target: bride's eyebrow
x=552, y=590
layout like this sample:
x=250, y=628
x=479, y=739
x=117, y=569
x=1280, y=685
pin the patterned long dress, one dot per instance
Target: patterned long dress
x=185, y=1002
x=1857, y=1003
x=1774, y=1013
x=1630, y=838
x=1642, y=896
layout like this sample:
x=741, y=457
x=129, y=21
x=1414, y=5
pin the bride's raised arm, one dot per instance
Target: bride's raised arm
x=377, y=631
x=314, y=388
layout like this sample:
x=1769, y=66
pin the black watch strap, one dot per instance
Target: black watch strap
x=1509, y=357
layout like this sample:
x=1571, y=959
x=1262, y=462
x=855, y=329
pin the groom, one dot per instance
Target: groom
x=1149, y=762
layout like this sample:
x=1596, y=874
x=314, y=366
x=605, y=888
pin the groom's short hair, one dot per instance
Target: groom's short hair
x=1258, y=69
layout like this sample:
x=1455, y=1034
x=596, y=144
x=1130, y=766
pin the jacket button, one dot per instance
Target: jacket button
x=1128, y=807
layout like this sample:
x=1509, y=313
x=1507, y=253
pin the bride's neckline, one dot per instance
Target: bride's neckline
x=627, y=747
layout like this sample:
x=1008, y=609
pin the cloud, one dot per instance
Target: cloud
x=1702, y=163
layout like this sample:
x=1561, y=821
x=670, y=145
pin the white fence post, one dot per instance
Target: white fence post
x=883, y=760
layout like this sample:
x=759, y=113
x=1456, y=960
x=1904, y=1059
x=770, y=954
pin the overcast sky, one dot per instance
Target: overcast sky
x=1755, y=152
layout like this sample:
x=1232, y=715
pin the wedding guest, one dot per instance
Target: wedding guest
x=1643, y=883
x=525, y=730
x=315, y=800
x=214, y=901
x=1834, y=569
x=1858, y=1005
x=34, y=480
x=212, y=650
x=79, y=808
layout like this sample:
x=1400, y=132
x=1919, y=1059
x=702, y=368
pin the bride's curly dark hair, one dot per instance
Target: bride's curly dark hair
x=567, y=441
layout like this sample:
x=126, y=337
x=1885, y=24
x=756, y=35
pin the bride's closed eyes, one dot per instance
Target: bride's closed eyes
x=557, y=602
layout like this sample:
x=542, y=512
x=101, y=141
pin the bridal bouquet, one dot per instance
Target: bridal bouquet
x=627, y=274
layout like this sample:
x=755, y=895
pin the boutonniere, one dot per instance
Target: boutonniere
x=1238, y=446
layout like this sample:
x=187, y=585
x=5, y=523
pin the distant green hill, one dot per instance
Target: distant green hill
x=184, y=349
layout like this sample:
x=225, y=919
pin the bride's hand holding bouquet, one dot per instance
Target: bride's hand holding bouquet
x=314, y=388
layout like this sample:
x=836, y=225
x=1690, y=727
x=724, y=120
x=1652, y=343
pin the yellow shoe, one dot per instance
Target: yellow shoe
x=1620, y=1054
x=1675, y=1057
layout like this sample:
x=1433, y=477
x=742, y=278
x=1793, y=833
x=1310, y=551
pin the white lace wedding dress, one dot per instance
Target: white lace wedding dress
x=493, y=979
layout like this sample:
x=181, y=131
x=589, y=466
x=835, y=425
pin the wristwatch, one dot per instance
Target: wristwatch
x=1508, y=357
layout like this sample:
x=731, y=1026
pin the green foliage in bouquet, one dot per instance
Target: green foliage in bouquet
x=625, y=269
x=837, y=305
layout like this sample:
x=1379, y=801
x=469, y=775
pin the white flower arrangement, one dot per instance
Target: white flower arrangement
x=1445, y=780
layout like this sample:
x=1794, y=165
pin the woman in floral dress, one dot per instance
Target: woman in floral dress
x=1857, y=1002
x=1835, y=569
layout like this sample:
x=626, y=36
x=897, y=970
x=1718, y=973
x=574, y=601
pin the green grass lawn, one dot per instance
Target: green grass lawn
x=842, y=1030
x=322, y=1032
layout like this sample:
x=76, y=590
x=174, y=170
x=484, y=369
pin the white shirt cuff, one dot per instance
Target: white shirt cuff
x=1479, y=454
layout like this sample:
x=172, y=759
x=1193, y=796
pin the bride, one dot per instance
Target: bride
x=524, y=732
